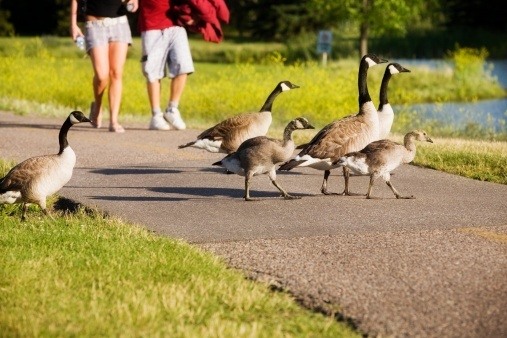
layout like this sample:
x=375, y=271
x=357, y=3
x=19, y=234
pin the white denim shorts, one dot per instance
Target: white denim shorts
x=166, y=53
x=102, y=32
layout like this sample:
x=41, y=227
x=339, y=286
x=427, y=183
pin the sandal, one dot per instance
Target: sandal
x=96, y=123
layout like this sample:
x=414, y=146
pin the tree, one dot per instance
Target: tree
x=271, y=20
x=376, y=17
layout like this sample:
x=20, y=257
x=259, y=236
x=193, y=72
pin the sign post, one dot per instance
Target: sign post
x=324, y=44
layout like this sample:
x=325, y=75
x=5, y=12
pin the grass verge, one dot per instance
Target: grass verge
x=86, y=275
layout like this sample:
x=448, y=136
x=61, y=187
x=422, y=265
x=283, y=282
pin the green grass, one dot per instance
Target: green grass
x=88, y=276
x=480, y=160
x=50, y=76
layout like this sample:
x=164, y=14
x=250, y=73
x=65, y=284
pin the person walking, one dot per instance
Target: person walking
x=166, y=51
x=107, y=38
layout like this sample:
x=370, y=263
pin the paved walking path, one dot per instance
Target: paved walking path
x=435, y=266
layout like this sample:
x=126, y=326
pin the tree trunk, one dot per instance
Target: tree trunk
x=363, y=40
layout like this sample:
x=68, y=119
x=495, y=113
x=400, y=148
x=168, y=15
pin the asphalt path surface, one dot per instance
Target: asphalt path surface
x=434, y=266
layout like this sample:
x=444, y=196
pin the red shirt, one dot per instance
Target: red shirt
x=202, y=16
x=153, y=15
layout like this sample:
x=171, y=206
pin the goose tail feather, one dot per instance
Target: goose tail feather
x=186, y=145
x=290, y=165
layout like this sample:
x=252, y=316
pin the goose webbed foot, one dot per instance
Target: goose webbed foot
x=291, y=197
x=251, y=199
x=405, y=197
x=348, y=193
x=326, y=192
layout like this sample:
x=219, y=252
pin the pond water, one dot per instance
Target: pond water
x=487, y=113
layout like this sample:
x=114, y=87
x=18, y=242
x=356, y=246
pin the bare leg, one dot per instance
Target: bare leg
x=177, y=87
x=100, y=62
x=154, y=95
x=117, y=57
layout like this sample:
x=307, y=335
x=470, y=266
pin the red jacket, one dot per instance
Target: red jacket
x=201, y=16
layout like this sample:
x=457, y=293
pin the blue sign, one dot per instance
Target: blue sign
x=324, y=42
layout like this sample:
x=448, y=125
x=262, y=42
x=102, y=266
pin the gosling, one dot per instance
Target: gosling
x=380, y=158
x=260, y=155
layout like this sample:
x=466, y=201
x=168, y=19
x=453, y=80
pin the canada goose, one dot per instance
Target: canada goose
x=32, y=180
x=260, y=155
x=348, y=134
x=385, y=111
x=226, y=136
x=381, y=157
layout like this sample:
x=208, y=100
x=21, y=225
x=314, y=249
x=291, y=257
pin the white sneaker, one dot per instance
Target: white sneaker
x=172, y=115
x=158, y=123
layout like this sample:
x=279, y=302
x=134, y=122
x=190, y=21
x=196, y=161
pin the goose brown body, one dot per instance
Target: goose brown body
x=380, y=158
x=348, y=134
x=32, y=180
x=261, y=154
x=227, y=135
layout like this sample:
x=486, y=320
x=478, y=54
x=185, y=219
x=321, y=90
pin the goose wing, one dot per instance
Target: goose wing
x=380, y=146
x=339, y=138
x=259, y=141
x=383, y=152
x=24, y=172
x=224, y=128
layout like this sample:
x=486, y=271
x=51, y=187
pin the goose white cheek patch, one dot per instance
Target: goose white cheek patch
x=393, y=70
x=370, y=62
x=73, y=119
x=285, y=87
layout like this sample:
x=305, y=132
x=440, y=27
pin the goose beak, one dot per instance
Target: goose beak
x=310, y=127
x=383, y=60
x=86, y=120
x=405, y=70
x=429, y=140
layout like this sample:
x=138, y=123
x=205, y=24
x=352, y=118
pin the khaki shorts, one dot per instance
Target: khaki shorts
x=102, y=32
x=166, y=53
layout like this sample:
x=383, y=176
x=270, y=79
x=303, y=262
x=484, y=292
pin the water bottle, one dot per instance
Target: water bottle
x=80, y=42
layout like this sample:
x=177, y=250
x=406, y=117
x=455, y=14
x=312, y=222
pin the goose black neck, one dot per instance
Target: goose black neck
x=362, y=84
x=287, y=133
x=268, y=105
x=62, y=137
x=383, y=89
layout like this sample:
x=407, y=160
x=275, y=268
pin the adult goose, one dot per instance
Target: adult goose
x=226, y=136
x=385, y=111
x=260, y=155
x=380, y=158
x=32, y=180
x=340, y=137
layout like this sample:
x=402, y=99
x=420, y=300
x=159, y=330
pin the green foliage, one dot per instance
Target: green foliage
x=468, y=62
x=383, y=17
x=61, y=81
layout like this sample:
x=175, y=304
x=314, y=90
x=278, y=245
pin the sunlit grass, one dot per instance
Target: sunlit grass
x=480, y=160
x=44, y=76
x=86, y=275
